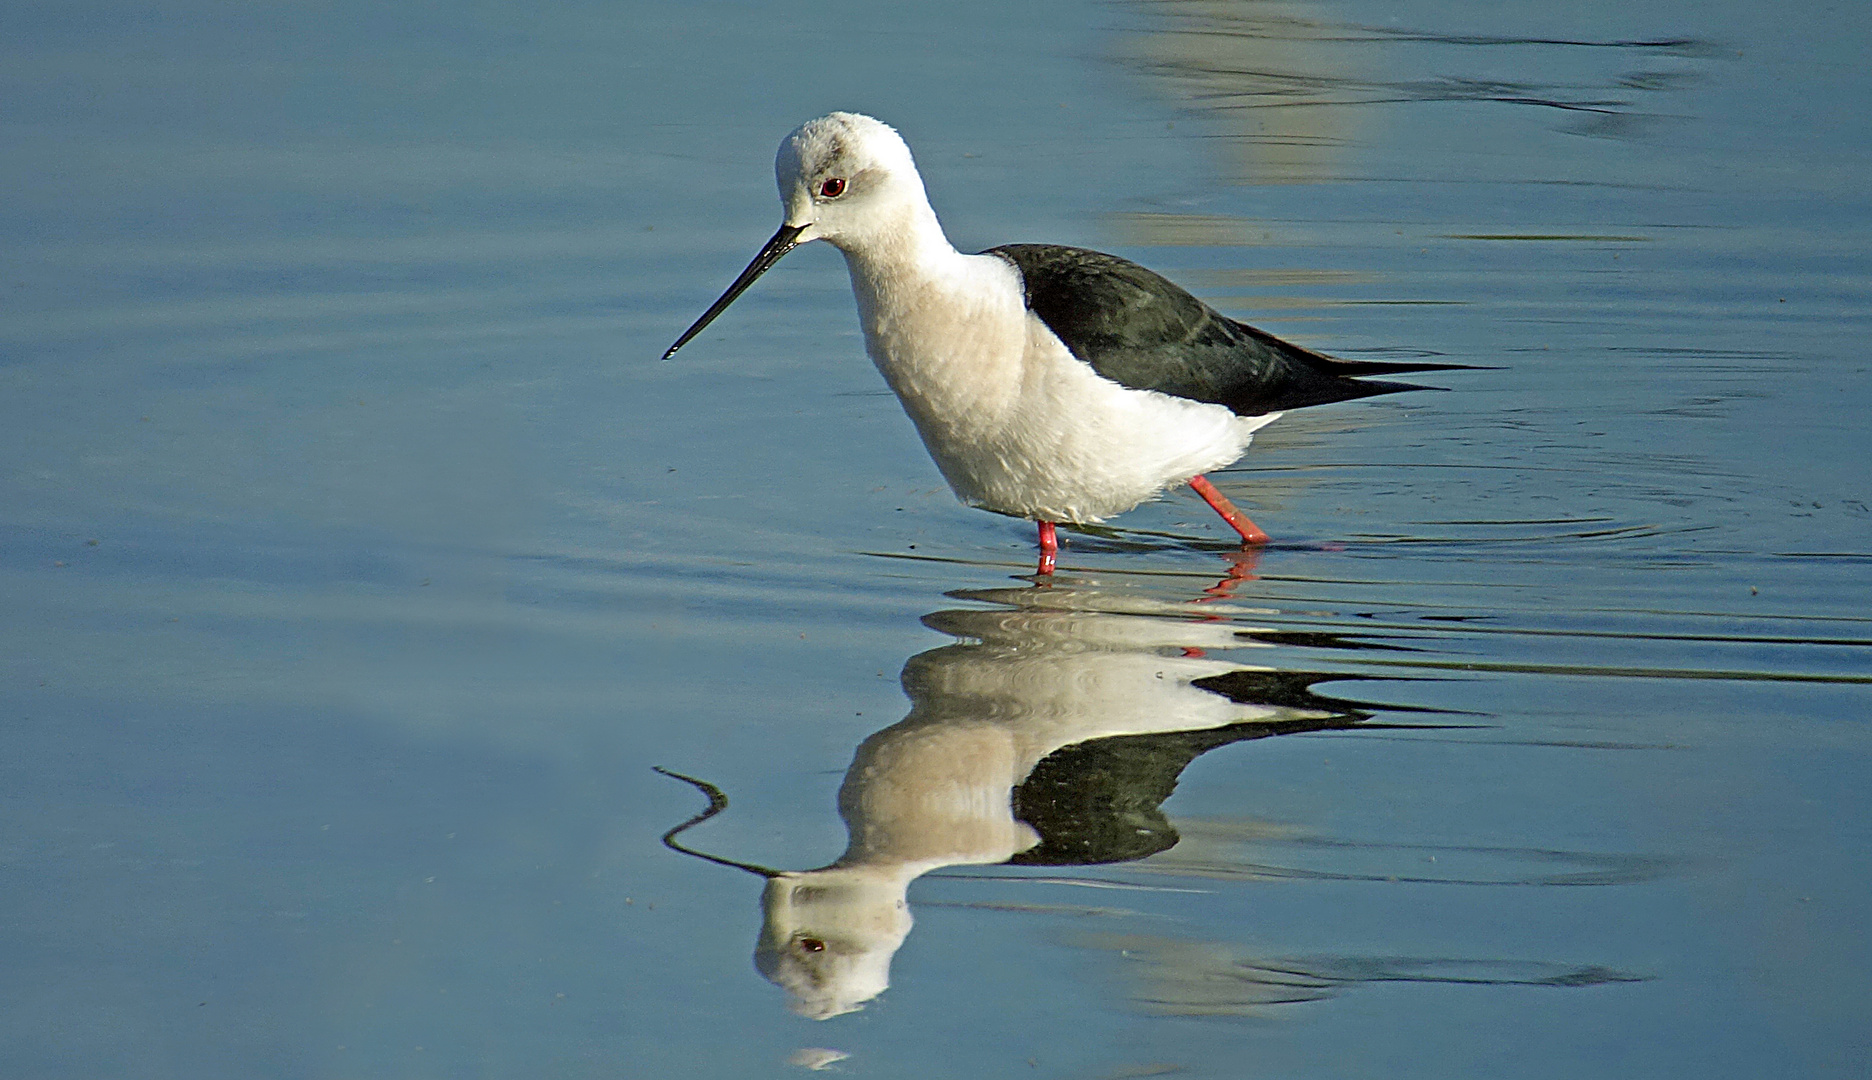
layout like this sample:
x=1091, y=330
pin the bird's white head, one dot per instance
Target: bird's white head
x=848, y=180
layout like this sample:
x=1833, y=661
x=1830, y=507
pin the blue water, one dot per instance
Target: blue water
x=358, y=559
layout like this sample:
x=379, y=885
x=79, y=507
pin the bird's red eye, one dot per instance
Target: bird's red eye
x=833, y=187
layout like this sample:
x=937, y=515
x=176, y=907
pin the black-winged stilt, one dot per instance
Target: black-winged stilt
x=1050, y=383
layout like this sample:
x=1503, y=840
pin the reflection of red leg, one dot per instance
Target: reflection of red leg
x=1049, y=547
x=1241, y=568
x=1250, y=532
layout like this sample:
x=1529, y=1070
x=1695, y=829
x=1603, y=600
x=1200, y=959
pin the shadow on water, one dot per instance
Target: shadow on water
x=1288, y=87
x=1173, y=977
x=1049, y=735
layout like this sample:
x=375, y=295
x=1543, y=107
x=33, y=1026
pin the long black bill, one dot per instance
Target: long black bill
x=783, y=241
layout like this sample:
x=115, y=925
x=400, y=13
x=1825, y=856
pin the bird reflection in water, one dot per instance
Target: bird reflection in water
x=1048, y=734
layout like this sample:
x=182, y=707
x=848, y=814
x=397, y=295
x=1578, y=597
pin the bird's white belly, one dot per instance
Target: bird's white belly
x=1021, y=426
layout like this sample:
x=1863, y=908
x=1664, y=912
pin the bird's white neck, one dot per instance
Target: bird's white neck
x=946, y=329
x=905, y=251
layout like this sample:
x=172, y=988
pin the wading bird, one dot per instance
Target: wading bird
x=1050, y=383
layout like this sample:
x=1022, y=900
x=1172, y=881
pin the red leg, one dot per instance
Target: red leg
x=1049, y=547
x=1250, y=532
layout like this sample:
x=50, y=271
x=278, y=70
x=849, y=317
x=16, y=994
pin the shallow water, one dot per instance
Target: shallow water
x=360, y=561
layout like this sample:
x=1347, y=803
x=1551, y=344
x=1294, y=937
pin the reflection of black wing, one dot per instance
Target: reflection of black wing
x=1144, y=332
x=1099, y=801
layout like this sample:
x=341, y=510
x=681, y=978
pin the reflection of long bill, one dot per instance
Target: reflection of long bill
x=782, y=242
x=717, y=802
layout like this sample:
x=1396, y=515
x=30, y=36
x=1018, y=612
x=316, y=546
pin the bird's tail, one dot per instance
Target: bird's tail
x=1314, y=378
x=1358, y=368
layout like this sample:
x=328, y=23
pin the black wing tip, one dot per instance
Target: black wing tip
x=1340, y=367
x=1360, y=388
x=1323, y=392
x=1357, y=368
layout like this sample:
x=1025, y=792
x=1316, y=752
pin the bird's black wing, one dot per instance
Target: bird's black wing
x=1142, y=331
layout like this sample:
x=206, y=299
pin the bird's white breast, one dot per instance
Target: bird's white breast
x=1015, y=422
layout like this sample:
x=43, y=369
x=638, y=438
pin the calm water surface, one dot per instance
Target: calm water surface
x=358, y=561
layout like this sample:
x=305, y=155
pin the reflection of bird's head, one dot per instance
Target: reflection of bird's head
x=828, y=937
